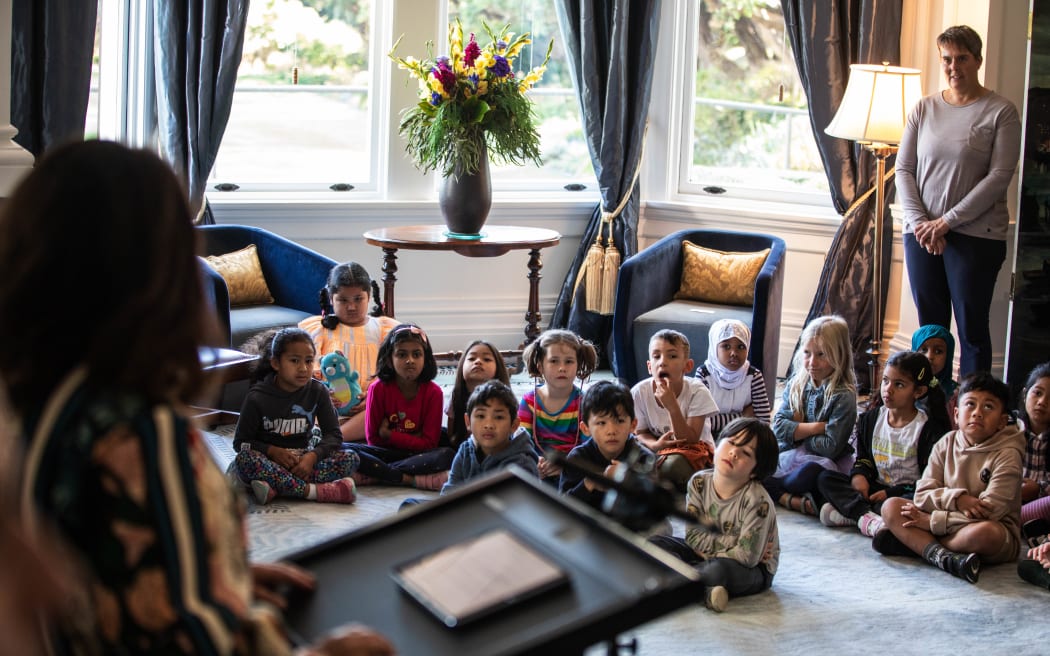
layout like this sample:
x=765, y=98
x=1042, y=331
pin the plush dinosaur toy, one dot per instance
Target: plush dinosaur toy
x=337, y=375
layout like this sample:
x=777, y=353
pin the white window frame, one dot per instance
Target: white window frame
x=683, y=17
x=127, y=112
x=126, y=106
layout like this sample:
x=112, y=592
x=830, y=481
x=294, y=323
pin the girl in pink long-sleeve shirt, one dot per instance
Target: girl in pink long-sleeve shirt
x=403, y=412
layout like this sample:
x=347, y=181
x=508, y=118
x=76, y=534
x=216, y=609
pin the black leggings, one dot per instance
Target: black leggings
x=389, y=465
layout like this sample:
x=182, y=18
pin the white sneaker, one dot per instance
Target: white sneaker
x=717, y=598
x=831, y=517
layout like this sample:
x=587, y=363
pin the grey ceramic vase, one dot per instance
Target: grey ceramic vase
x=465, y=199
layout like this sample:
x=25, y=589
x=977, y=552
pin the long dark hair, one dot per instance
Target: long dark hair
x=460, y=394
x=107, y=232
x=404, y=333
x=1040, y=371
x=347, y=274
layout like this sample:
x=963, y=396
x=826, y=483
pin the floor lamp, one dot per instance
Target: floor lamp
x=873, y=111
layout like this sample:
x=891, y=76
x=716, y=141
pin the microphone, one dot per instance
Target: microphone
x=633, y=495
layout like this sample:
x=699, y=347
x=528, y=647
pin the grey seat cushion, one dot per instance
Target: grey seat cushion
x=248, y=320
x=691, y=318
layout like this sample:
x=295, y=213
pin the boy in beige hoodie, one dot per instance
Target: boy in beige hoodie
x=967, y=505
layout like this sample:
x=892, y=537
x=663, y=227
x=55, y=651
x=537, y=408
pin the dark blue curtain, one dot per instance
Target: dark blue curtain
x=51, y=47
x=198, y=49
x=826, y=37
x=611, y=45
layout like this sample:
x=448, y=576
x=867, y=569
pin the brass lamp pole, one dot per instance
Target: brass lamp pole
x=873, y=113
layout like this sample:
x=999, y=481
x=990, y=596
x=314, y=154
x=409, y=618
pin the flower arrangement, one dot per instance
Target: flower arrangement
x=471, y=99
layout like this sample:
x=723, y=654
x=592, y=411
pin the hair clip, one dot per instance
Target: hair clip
x=415, y=330
x=922, y=374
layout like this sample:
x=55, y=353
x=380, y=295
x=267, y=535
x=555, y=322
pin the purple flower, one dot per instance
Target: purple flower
x=444, y=73
x=435, y=98
x=471, y=52
x=473, y=79
x=501, y=45
x=501, y=68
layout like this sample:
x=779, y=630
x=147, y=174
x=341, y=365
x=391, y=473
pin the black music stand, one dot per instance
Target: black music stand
x=617, y=580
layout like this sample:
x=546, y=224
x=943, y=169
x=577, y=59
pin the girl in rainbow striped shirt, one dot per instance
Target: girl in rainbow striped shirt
x=550, y=412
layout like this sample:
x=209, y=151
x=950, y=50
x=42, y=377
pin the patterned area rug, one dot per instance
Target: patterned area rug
x=286, y=526
x=832, y=593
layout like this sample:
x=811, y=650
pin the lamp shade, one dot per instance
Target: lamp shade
x=876, y=103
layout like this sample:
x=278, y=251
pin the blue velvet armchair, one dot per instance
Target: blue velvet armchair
x=294, y=275
x=645, y=302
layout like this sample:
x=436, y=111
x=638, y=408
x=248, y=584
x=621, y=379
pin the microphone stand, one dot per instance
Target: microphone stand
x=633, y=495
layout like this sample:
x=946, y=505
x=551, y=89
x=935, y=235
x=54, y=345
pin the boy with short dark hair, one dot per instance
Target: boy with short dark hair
x=495, y=441
x=672, y=409
x=607, y=419
x=967, y=505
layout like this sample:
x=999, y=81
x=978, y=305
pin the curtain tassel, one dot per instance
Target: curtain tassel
x=610, y=272
x=590, y=274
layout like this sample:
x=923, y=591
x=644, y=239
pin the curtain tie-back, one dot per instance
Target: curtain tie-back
x=857, y=203
x=602, y=264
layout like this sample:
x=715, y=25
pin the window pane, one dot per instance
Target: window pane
x=749, y=121
x=301, y=112
x=562, y=145
x=91, y=128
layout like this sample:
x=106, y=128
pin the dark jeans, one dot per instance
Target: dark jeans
x=962, y=278
x=837, y=488
x=801, y=481
x=389, y=465
x=738, y=579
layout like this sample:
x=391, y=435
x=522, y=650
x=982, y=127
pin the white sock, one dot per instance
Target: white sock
x=311, y=492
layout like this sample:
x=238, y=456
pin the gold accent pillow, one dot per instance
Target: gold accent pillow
x=243, y=275
x=719, y=277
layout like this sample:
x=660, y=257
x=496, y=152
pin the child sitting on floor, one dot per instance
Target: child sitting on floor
x=672, y=410
x=1035, y=484
x=967, y=504
x=276, y=423
x=481, y=362
x=494, y=440
x=346, y=325
x=404, y=415
x=607, y=419
x=938, y=345
x=816, y=416
x=739, y=389
x=551, y=412
x=893, y=441
x=735, y=546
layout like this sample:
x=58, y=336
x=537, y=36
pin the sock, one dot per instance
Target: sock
x=311, y=492
x=965, y=566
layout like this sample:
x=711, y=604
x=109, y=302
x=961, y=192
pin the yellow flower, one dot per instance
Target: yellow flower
x=435, y=85
x=532, y=78
x=483, y=62
x=515, y=48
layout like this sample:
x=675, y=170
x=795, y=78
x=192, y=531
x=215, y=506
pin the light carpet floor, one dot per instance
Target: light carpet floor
x=831, y=595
